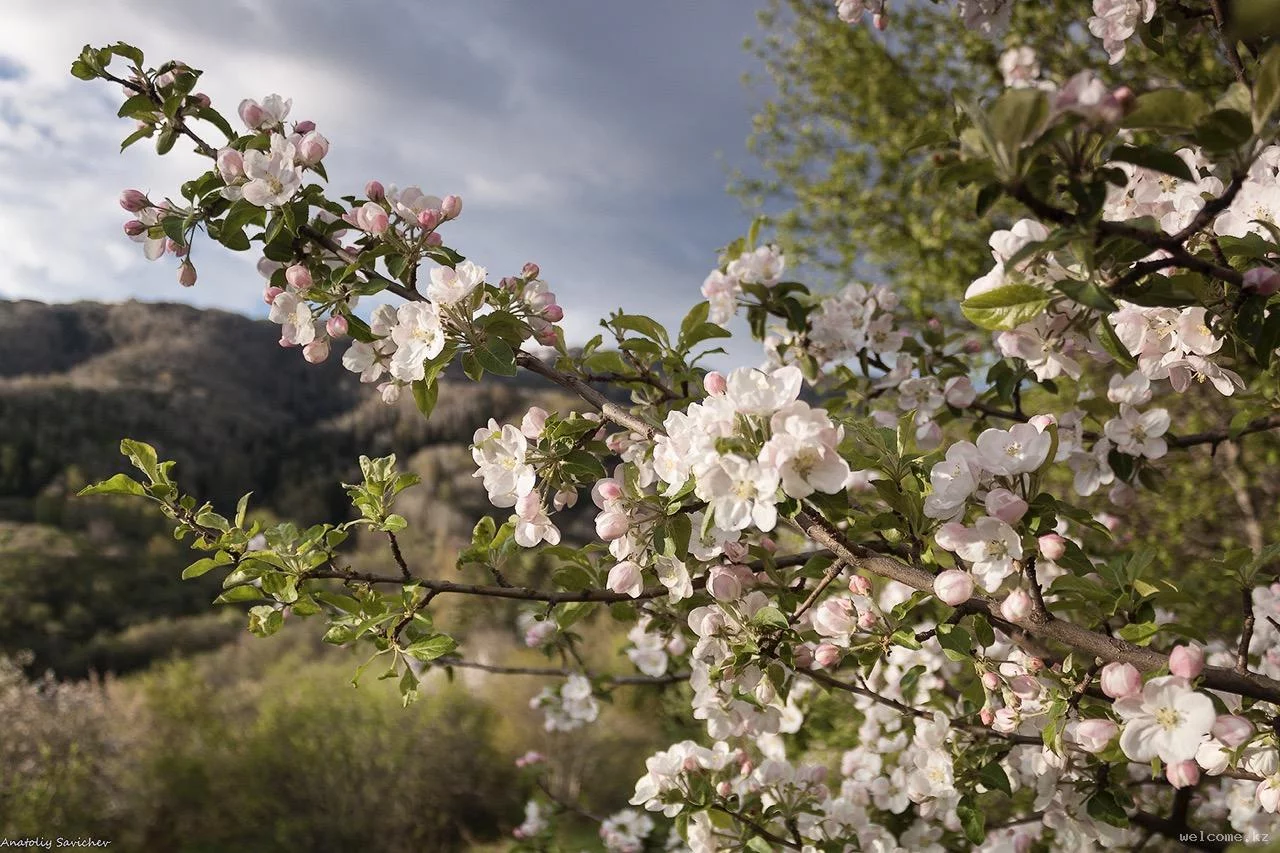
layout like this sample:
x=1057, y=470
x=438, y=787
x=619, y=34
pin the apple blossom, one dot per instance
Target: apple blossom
x=1187, y=661
x=1167, y=720
x=1021, y=449
x=449, y=286
x=1016, y=606
x=625, y=578
x=1120, y=680
x=1094, y=735
x=953, y=587
x=418, y=336
x=1232, y=730
x=1183, y=774
x=272, y=177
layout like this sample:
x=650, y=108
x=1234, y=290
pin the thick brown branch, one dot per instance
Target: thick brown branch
x=557, y=672
x=1061, y=631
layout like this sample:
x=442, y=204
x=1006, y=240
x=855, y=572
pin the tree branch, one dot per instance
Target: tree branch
x=1061, y=631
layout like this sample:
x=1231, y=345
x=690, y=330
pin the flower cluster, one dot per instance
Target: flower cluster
x=569, y=708
x=762, y=266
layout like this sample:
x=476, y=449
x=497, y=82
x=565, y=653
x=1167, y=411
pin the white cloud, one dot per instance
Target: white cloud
x=582, y=139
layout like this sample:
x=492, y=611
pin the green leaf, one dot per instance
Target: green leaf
x=994, y=777
x=1266, y=88
x=164, y=142
x=208, y=564
x=769, y=617
x=120, y=484
x=81, y=71
x=1223, y=130
x=905, y=638
x=1005, y=307
x=425, y=394
x=1152, y=157
x=430, y=648
x=142, y=455
x=640, y=324
x=1166, y=109
x=1104, y=807
x=1016, y=119
x=972, y=819
x=496, y=356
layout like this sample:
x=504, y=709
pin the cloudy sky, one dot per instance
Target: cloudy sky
x=591, y=136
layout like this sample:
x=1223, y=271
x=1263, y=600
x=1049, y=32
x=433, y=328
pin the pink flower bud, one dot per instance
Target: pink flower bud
x=374, y=191
x=867, y=620
x=1094, y=735
x=176, y=248
x=827, y=655
x=880, y=21
x=735, y=551
x=724, y=584
x=626, y=578
x=133, y=228
x=1035, y=665
x=973, y=346
x=991, y=681
x=337, y=326
x=539, y=302
x=1120, y=680
x=372, y=218
x=201, y=100
x=546, y=337
x=298, y=276
x=270, y=293
x=429, y=219
x=1263, y=281
x=724, y=789
x=312, y=148
x=533, y=422
x=434, y=239
x=553, y=313
x=714, y=383
x=1052, y=546
x=1187, y=661
x=304, y=126
x=451, y=206
x=608, y=490
x=1232, y=730
x=1183, y=774
x=509, y=282
x=959, y=392
x=803, y=655
x=251, y=114
x=1006, y=720
x=987, y=716
x=316, y=351
x=1005, y=505
x=1124, y=98
x=230, y=165
x=530, y=271
x=186, y=274
x=612, y=525
x=134, y=200
x=767, y=543
x=1025, y=687
x=1043, y=422
x=953, y=587
x=1016, y=605
x=859, y=585
x=529, y=507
